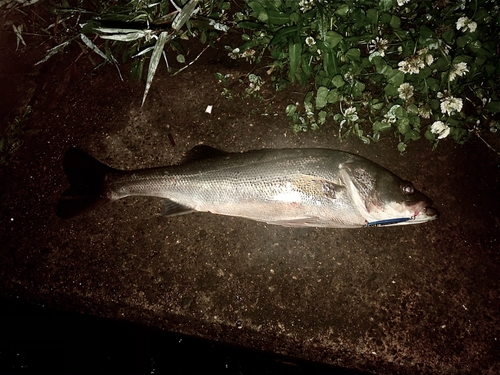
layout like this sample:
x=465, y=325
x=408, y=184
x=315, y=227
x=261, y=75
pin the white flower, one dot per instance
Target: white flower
x=378, y=44
x=451, y=104
x=462, y=21
x=458, y=70
x=411, y=65
x=440, y=129
x=306, y=5
x=351, y=114
x=405, y=91
x=465, y=22
x=310, y=41
x=429, y=59
x=402, y=2
x=425, y=111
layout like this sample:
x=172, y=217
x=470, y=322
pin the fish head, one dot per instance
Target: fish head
x=383, y=198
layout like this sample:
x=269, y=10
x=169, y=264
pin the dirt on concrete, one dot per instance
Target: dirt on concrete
x=400, y=300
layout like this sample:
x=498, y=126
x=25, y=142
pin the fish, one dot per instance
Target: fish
x=288, y=187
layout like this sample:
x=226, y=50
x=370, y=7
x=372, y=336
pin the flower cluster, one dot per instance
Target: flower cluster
x=414, y=63
x=379, y=45
x=351, y=114
x=405, y=91
x=306, y=5
x=440, y=129
x=466, y=23
x=458, y=70
x=449, y=104
x=402, y=2
x=425, y=110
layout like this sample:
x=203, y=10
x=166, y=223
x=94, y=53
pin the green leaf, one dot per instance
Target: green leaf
x=342, y=10
x=155, y=59
x=321, y=97
x=290, y=109
x=412, y=108
x=332, y=38
x=395, y=22
x=333, y=96
x=330, y=63
x=425, y=32
x=424, y=73
x=412, y=134
x=323, y=22
x=385, y=5
x=295, y=53
x=93, y=47
x=306, y=66
x=403, y=125
x=448, y=36
x=181, y=59
x=353, y=54
x=338, y=81
x=358, y=89
x=475, y=45
x=401, y=146
x=379, y=63
x=415, y=121
x=278, y=18
x=372, y=16
x=381, y=126
x=391, y=90
x=385, y=18
x=295, y=17
x=395, y=77
x=259, y=11
x=432, y=84
x=184, y=14
x=322, y=117
x=283, y=34
x=430, y=136
x=493, y=107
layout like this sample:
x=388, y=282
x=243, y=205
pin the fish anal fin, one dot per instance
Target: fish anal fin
x=171, y=208
x=309, y=221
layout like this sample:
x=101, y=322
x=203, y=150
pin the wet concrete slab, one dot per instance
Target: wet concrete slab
x=401, y=300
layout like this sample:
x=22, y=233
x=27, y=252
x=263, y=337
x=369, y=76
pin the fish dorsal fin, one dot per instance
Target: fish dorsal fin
x=201, y=152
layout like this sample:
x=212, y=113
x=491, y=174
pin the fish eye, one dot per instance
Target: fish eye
x=407, y=188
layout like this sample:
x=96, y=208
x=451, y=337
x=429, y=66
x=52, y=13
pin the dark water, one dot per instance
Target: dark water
x=38, y=340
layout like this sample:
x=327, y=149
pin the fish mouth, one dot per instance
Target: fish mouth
x=424, y=212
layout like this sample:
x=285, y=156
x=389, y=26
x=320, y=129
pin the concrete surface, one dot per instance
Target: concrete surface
x=404, y=300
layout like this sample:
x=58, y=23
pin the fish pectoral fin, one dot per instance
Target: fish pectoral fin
x=317, y=186
x=309, y=221
x=171, y=208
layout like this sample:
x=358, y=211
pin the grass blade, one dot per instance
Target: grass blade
x=155, y=59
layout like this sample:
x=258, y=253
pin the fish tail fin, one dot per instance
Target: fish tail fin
x=86, y=176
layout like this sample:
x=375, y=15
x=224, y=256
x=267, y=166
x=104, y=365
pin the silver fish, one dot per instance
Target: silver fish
x=289, y=187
